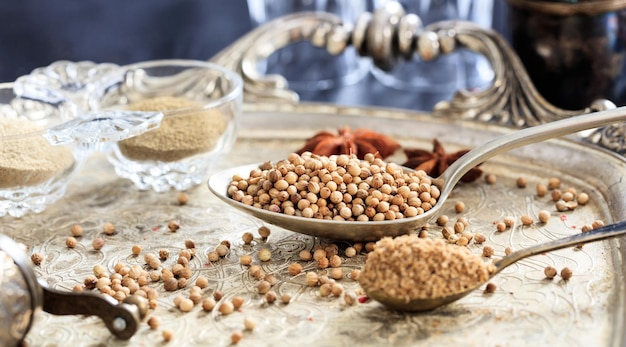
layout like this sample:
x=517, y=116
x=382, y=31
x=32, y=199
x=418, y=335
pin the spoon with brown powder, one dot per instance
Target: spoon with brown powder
x=375, y=230
x=405, y=287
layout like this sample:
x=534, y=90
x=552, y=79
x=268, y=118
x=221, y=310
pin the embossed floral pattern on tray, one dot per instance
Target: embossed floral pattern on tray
x=525, y=309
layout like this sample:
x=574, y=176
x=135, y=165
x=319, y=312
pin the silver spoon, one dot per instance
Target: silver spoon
x=416, y=305
x=372, y=231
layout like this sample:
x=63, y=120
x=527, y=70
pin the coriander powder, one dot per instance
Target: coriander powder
x=180, y=135
x=29, y=160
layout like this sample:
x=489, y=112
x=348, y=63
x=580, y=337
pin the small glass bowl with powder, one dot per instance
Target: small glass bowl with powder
x=33, y=171
x=201, y=103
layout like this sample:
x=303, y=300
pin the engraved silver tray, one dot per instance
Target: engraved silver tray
x=526, y=308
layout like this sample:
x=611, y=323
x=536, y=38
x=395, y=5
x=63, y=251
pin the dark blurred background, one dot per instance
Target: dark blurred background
x=35, y=33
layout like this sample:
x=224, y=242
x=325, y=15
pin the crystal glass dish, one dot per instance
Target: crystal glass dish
x=34, y=170
x=201, y=103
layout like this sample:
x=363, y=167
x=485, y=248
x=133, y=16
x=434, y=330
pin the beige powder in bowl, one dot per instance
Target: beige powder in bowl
x=180, y=135
x=29, y=160
x=408, y=267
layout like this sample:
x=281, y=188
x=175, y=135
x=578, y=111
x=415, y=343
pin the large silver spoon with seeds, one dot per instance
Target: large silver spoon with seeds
x=372, y=231
x=426, y=304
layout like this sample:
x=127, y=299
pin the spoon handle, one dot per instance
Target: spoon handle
x=524, y=137
x=606, y=232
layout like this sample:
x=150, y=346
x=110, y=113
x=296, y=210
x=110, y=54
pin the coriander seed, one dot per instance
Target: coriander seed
x=190, y=244
x=527, y=220
x=305, y=255
x=37, y=258
x=70, y=242
x=221, y=250
x=334, y=261
x=271, y=279
x=459, y=206
x=323, y=263
x=285, y=298
x=108, y=228
x=500, y=226
x=97, y=243
x=509, y=221
x=325, y=290
x=294, y=269
x=550, y=272
x=350, y=298
x=544, y=216
x=336, y=273
x=336, y=289
x=508, y=251
x=77, y=230
x=566, y=273
x=488, y=251
x=236, y=337
x=164, y=253
x=173, y=226
x=265, y=254
x=249, y=323
x=490, y=179
x=168, y=335
x=170, y=284
x=263, y=287
x=319, y=254
x=490, y=288
x=582, y=198
x=312, y=279
x=208, y=304
x=185, y=305
x=245, y=260
x=237, y=302
x=354, y=274
x=213, y=256
x=226, y=308
x=154, y=322
x=183, y=198
x=136, y=249
x=554, y=183
x=264, y=232
x=270, y=297
x=520, y=182
x=442, y=220
x=541, y=190
x=247, y=238
x=350, y=252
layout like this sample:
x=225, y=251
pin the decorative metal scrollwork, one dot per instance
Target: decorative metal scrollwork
x=388, y=35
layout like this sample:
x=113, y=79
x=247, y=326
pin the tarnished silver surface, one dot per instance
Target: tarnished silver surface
x=526, y=309
x=16, y=309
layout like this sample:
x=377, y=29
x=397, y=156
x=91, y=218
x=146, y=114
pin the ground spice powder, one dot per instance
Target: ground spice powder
x=29, y=160
x=180, y=135
x=408, y=267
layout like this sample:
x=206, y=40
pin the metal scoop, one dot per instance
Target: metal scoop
x=372, y=231
x=415, y=305
x=22, y=294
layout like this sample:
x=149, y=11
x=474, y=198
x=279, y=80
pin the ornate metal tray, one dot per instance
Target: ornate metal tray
x=525, y=309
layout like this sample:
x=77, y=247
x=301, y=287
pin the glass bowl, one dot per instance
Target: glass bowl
x=34, y=171
x=201, y=103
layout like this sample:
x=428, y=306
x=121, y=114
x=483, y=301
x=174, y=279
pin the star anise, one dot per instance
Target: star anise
x=437, y=161
x=360, y=142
